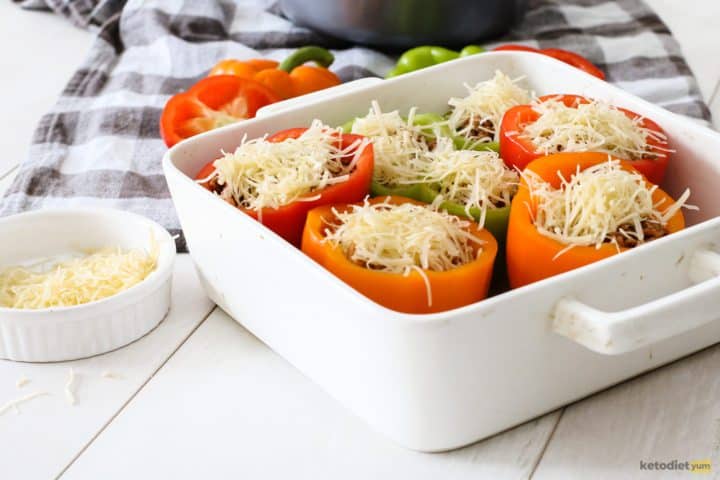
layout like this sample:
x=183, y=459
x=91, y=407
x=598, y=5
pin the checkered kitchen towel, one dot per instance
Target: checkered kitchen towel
x=100, y=143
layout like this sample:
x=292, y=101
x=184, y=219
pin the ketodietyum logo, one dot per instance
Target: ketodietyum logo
x=691, y=466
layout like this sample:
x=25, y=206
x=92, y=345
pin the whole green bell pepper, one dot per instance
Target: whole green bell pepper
x=427, y=56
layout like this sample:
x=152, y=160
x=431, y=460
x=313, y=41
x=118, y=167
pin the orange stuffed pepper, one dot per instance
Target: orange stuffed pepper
x=573, y=209
x=403, y=254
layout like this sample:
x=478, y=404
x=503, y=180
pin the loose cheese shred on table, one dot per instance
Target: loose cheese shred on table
x=403, y=238
x=474, y=179
x=22, y=381
x=260, y=174
x=78, y=280
x=111, y=375
x=595, y=126
x=15, y=403
x=478, y=115
x=596, y=204
x=69, y=387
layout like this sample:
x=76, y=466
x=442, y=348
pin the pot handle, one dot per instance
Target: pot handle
x=613, y=333
x=313, y=97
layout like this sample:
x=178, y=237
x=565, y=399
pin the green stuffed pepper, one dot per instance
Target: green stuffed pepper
x=496, y=219
x=420, y=174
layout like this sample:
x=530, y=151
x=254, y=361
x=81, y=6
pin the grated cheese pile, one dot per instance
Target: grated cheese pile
x=477, y=116
x=597, y=203
x=402, y=238
x=76, y=281
x=595, y=126
x=396, y=141
x=474, y=179
x=261, y=174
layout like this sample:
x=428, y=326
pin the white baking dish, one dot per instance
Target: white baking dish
x=68, y=333
x=440, y=381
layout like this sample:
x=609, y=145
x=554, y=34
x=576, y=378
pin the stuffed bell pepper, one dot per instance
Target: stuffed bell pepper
x=428, y=167
x=278, y=179
x=475, y=118
x=573, y=209
x=403, y=254
x=571, y=123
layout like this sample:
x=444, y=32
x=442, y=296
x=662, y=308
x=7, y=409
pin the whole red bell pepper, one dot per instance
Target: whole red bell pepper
x=288, y=220
x=518, y=151
x=566, y=56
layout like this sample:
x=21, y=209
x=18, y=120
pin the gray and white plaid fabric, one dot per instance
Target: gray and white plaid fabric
x=100, y=144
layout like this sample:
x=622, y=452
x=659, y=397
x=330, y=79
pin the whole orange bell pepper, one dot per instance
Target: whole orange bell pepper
x=287, y=79
x=450, y=289
x=532, y=256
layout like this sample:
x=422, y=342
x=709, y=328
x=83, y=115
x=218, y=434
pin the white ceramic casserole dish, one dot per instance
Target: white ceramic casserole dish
x=441, y=381
x=68, y=333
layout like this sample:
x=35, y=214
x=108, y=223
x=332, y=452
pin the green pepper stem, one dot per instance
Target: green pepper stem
x=319, y=55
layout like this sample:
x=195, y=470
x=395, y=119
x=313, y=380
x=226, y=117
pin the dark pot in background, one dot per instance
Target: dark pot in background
x=406, y=23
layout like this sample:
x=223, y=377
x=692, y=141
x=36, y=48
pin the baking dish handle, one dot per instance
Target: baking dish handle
x=324, y=94
x=613, y=333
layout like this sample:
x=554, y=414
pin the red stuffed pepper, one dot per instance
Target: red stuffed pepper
x=277, y=180
x=571, y=123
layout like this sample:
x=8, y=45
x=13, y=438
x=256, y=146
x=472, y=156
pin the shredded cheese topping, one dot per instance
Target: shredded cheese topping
x=396, y=141
x=595, y=126
x=596, y=204
x=76, y=281
x=403, y=238
x=260, y=174
x=474, y=179
x=477, y=116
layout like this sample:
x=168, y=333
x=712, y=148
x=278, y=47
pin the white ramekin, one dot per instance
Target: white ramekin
x=67, y=333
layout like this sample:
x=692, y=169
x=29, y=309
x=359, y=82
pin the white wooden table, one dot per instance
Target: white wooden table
x=200, y=397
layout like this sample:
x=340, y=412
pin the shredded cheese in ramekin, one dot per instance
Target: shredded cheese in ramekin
x=76, y=281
